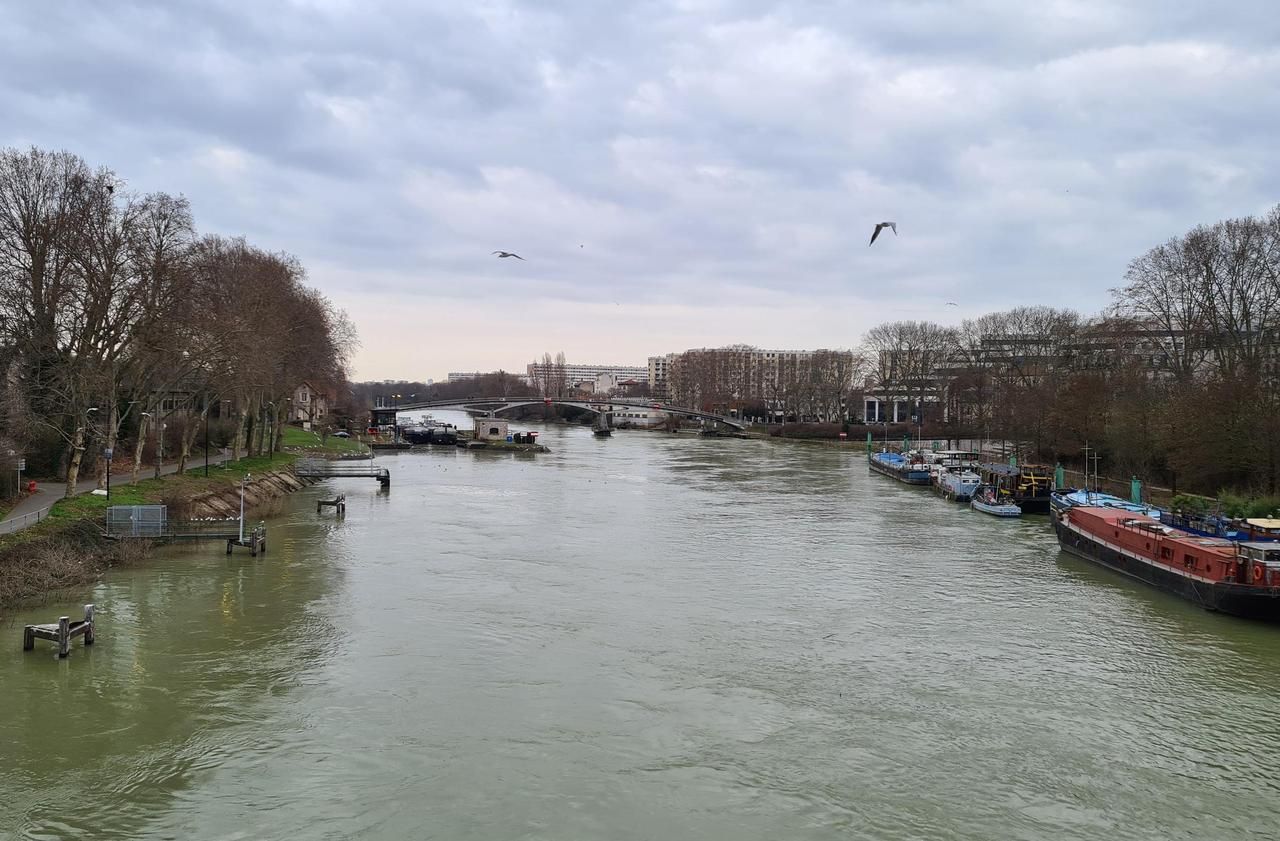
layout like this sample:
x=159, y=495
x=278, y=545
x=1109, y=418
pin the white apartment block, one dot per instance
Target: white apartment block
x=575, y=373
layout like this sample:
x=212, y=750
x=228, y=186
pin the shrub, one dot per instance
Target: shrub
x=1191, y=504
x=179, y=501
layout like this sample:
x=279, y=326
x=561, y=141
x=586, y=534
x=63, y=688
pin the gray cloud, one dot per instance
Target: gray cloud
x=702, y=151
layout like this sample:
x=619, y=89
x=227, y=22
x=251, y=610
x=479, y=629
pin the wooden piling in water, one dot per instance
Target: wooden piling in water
x=62, y=633
x=255, y=541
x=338, y=504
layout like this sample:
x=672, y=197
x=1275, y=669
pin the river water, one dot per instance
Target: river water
x=645, y=637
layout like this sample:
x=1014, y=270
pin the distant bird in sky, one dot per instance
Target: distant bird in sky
x=893, y=226
x=502, y=254
x=952, y=304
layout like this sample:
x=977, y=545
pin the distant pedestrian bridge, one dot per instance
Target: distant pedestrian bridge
x=497, y=405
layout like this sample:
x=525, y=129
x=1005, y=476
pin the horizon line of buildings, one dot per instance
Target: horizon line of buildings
x=889, y=387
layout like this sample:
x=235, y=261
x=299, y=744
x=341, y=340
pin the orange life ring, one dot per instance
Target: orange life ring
x=1257, y=574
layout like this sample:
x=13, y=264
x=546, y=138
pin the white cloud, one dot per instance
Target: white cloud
x=720, y=163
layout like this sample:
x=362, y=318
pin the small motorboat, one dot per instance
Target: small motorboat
x=986, y=500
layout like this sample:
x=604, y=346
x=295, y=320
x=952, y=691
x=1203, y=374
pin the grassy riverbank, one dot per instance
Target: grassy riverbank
x=68, y=549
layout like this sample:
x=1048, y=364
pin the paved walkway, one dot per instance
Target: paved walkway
x=32, y=509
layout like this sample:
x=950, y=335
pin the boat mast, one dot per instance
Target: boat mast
x=1086, y=471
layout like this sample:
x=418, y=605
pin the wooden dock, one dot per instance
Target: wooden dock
x=255, y=540
x=63, y=632
x=338, y=504
x=324, y=469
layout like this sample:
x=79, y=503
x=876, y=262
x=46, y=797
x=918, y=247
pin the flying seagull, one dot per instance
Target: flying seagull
x=952, y=304
x=880, y=226
x=502, y=254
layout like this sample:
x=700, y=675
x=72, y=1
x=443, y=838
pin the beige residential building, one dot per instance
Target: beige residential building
x=811, y=384
x=309, y=405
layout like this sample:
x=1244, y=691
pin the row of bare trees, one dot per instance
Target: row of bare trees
x=550, y=376
x=118, y=320
x=1178, y=380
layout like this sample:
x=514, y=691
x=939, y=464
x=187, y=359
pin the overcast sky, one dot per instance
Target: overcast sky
x=677, y=174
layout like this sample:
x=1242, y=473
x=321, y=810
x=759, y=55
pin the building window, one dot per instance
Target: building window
x=493, y=430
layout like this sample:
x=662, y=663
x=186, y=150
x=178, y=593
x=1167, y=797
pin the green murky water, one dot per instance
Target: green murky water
x=646, y=637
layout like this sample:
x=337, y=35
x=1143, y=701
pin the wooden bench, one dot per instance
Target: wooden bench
x=62, y=633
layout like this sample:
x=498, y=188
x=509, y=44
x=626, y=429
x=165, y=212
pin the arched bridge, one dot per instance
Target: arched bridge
x=600, y=407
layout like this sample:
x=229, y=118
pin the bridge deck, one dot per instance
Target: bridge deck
x=501, y=404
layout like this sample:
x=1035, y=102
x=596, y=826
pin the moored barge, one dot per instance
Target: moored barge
x=1239, y=578
x=1217, y=525
x=1061, y=500
x=1027, y=486
x=900, y=467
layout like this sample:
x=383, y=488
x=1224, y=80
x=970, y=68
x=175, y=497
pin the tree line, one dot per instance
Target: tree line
x=1177, y=379
x=118, y=321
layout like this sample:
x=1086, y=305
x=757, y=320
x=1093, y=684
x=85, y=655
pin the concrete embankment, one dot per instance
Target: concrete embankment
x=259, y=493
x=38, y=564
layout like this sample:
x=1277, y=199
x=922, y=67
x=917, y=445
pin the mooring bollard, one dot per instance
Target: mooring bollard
x=64, y=636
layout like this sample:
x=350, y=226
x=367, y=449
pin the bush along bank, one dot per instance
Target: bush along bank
x=70, y=549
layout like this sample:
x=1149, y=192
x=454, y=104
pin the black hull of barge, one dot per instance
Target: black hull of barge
x=1262, y=603
x=1033, y=504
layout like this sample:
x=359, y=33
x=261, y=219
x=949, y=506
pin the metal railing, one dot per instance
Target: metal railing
x=320, y=468
x=24, y=521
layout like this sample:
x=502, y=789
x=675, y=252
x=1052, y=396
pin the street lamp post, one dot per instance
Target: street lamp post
x=221, y=404
x=160, y=445
x=206, y=442
x=242, y=484
x=137, y=460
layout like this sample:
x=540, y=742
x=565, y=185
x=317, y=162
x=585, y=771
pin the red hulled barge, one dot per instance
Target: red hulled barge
x=1239, y=578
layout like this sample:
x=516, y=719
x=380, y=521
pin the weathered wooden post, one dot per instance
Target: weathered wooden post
x=28, y=638
x=64, y=636
x=88, y=621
